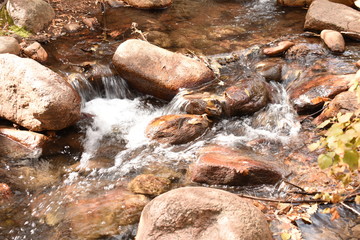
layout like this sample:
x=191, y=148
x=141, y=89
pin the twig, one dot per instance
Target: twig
x=292, y=184
x=350, y=208
x=282, y=200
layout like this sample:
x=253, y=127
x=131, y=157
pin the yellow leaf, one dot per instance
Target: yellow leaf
x=285, y=236
x=326, y=210
x=357, y=199
x=247, y=92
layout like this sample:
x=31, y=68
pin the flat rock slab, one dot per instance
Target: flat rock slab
x=323, y=14
x=35, y=97
x=226, y=166
x=149, y=4
x=309, y=94
x=198, y=213
x=157, y=71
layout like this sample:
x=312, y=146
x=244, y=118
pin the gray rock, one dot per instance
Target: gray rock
x=323, y=14
x=9, y=45
x=34, y=15
x=198, y=213
x=34, y=96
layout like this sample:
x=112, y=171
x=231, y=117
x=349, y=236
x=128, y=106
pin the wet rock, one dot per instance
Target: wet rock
x=270, y=69
x=305, y=3
x=101, y=215
x=357, y=64
x=34, y=15
x=35, y=97
x=149, y=4
x=19, y=144
x=279, y=49
x=304, y=50
x=177, y=129
x=343, y=103
x=36, y=52
x=72, y=27
x=198, y=213
x=333, y=40
x=156, y=71
x=308, y=94
x=116, y=3
x=323, y=14
x=5, y=192
x=9, y=45
x=91, y=23
x=226, y=166
x=245, y=96
x=149, y=184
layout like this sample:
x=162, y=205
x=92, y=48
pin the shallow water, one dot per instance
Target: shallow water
x=112, y=133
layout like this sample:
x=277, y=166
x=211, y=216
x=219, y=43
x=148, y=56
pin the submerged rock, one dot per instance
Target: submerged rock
x=36, y=52
x=149, y=184
x=18, y=144
x=9, y=45
x=149, y=4
x=342, y=103
x=101, y=215
x=177, y=129
x=198, y=213
x=333, y=40
x=226, y=166
x=34, y=15
x=308, y=94
x=270, y=69
x=323, y=14
x=156, y=71
x=35, y=97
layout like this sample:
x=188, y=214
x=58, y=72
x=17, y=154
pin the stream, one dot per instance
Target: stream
x=108, y=147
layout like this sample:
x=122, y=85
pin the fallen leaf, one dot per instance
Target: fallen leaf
x=357, y=199
x=334, y=214
x=285, y=236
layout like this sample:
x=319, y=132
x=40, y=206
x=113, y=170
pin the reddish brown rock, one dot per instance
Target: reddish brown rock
x=226, y=166
x=308, y=94
x=5, y=192
x=323, y=14
x=17, y=144
x=198, y=213
x=333, y=40
x=149, y=4
x=102, y=215
x=343, y=103
x=36, y=52
x=177, y=129
x=35, y=97
x=72, y=27
x=270, y=69
x=156, y=71
x=149, y=184
x=305, y=3
x=279, y=49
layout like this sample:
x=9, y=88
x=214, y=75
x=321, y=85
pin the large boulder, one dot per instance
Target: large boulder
x=34, y=15
x=177, y=129
x=308, y=94
x=35, y=97
x=198, y=213
x=17, y=144
x=323, y=14
x=156, y=71
x=149, y=3
x=9, y=45
x=226, y=166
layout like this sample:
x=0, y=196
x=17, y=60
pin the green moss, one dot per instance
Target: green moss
x=8, y=27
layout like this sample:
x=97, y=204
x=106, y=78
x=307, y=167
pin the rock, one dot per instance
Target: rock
x=323, y=14
x=34, y=96
x=279, y=49
x=156, y=71
x=36, y=52
x=225, y=166
x=308, y=94
x=9, y=45
x=177, y=129
x=149, y=184
x=357, y=64
x=101, y=215
x=160, y=39
x=333, y=40
x=5, y=192
x=304, y=50
x=19, y=144
x=116, y=3
x=270, y=69
x=305, y=3
x=34, y=15
x=149, y=4
x=91, y=23
x=198, y=213
x=72, y=27
x=343, y=103
x=244, y=96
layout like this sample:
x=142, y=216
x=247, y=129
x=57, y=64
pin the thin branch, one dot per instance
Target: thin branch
x=294, y=185
x=350, y=208
x=282, y=200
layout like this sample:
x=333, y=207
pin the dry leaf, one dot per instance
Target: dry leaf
x=285, y=236
x=334, y=214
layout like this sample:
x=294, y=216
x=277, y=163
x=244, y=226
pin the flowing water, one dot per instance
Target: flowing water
x=108, y=147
